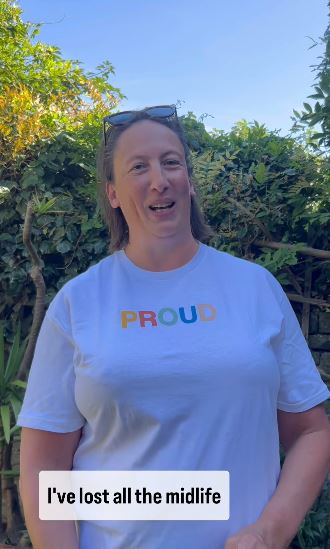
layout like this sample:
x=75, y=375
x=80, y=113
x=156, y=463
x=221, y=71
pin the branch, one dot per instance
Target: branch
x=267, y=234
x=27, y=236
x=325, y=375
x=39, y=306
x=293, y=280
x=311, y=300
x=313, y=252
x=307, y=294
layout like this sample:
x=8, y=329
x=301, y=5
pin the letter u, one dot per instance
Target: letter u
x=183, y=315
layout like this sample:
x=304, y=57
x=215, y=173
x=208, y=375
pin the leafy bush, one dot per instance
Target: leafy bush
x=42, y=94
x=315, y=118
x=50, y=119
x=314, y=533
x=258, y=186
x=11, y=389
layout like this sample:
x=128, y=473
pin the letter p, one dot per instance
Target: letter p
x=126, y=317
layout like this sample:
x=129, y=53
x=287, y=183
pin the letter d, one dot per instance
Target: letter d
x=201, y=310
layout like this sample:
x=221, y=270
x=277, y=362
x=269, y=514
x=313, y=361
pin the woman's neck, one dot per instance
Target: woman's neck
x=163, y=256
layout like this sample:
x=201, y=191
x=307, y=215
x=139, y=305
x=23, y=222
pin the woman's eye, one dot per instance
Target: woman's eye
x=138, y=167
x=172, y=162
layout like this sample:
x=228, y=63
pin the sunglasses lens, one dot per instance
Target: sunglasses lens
x=120, y=118
x=161, y=112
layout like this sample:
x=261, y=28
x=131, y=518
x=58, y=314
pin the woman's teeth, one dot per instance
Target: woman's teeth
x=162, y=207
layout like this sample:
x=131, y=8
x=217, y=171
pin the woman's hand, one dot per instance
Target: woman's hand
x=250, y=537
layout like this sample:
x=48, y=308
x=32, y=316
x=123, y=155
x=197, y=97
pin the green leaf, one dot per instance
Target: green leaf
x=261, y=173
x=45, y=206
x=19, y=383
x=275, y=260
x=320, y=90
x=5, y=419
x=318, y=135
x=63, y=247
x=9, y=473
x=13, y=430
x=308, y=108
x=2, y=354
x=15, y=356
x=16, y=405
x=316, y=96
x=29, y=180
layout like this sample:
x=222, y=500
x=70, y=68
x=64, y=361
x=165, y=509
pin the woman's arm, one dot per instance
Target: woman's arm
x=305, y=437
x=45, y=451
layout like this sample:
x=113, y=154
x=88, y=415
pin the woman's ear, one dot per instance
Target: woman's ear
x=192, y=189
x=112, y=195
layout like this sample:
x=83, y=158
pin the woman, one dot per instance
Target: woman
x=171, y=355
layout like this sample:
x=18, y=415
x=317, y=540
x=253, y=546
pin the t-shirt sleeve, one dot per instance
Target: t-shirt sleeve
x=301, y=386
x=49, y=402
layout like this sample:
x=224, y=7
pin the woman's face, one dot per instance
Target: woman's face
x=150, y=169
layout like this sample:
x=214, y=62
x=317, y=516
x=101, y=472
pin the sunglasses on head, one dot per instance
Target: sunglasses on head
x=125, y=117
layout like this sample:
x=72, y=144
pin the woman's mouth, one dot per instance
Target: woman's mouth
x=163, y=210
x=157, y=207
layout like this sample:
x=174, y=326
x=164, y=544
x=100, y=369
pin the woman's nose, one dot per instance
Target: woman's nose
x=158, y=178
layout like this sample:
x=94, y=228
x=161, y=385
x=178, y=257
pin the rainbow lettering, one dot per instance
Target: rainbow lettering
x=167, y=316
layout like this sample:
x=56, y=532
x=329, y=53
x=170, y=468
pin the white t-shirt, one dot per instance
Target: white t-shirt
x=176, y=370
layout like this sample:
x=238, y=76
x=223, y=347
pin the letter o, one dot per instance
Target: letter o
x=161, y=314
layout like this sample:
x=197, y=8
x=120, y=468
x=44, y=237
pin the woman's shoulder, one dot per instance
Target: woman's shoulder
x=82, y=288
x=239, y=265
x=244, y=273
x=91, y=274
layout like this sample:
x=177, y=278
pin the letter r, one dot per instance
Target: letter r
x=147, y=316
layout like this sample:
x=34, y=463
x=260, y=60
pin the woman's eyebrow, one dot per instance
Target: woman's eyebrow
x=145, y=156
x=135, y=157
x=171, y=151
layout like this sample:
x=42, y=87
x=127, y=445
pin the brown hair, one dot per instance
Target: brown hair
x=113, y=217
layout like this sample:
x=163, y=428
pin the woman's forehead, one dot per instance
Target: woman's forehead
x=147, y=137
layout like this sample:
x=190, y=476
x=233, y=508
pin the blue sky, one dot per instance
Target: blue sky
x=231, y=59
